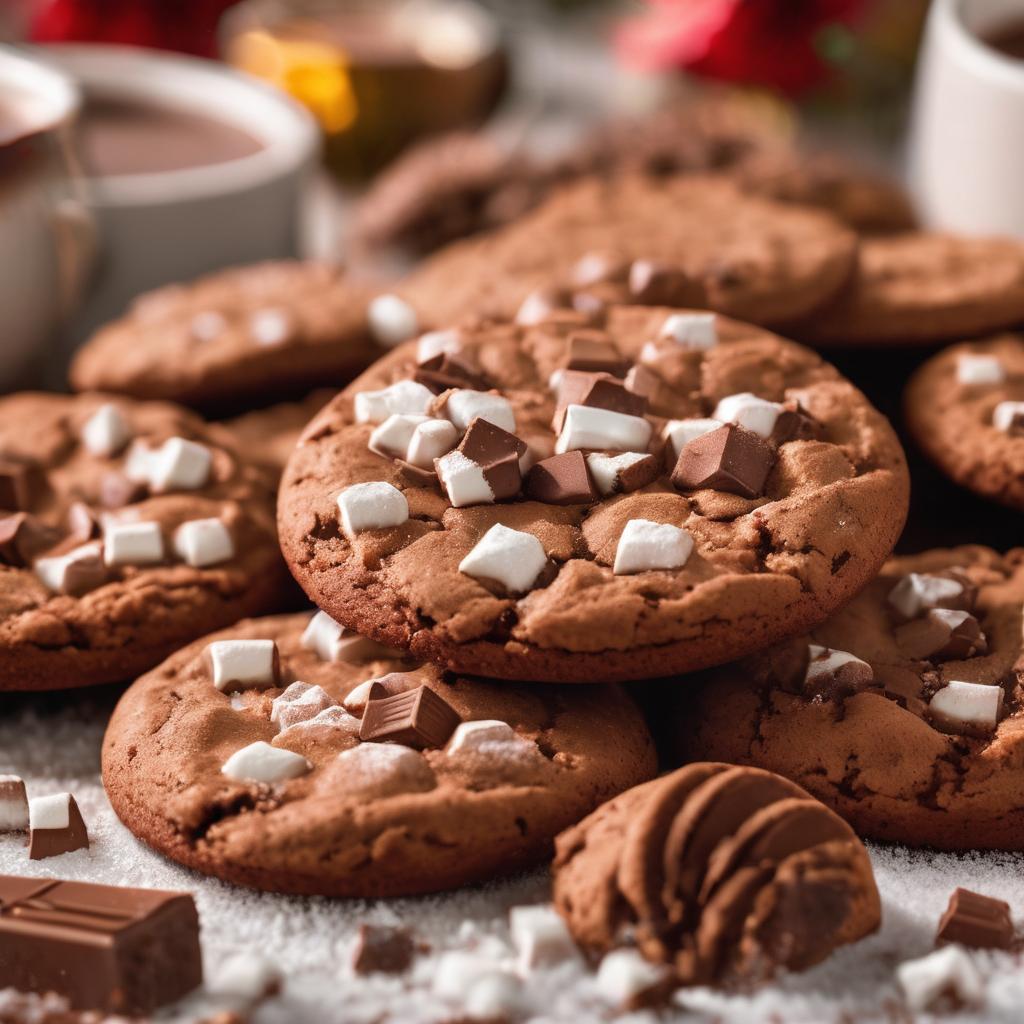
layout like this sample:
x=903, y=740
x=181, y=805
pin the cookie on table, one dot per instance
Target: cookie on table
x=616, y=502
x=902, y=712
x=126, y=530
x=236, y=338
x=965, y=408
x=684, y=241
x=726, y=873
x=923, y=288
x=289, y=755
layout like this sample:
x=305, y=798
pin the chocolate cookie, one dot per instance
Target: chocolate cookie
x=697, y=242
x=922, y=288
x=902, y=713
x=965, y=408
x=269, y=435
x=237, y=337
x=126, y=530
x=726, y=873
x=568, y=502
x=289, y=755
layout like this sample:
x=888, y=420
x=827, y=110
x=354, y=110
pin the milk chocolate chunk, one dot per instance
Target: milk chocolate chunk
x=594, y=351
x=13, y=804
x=382, y=949
x=794, y=423
x=730, y=459
x=451, y=370
x=16, y=484
x=23, y=537
x=419, y=719
x=562, y=480
x=942, y=634
x=656, y=284
x=597, y=390
x=497, y=453
x=980, y=922
x=414, y=476
x=56, y=826
x=123, y=951
x=116, y=490
x=642, y=381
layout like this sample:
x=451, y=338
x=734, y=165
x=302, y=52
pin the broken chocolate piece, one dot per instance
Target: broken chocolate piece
x=597, y=390
x=942, y=634
x=497, y=453
x=593, y=351
x=451, y=370
x=977, y=921
x=382, y=949
x=562, y=480
x=831, y=674
x=620, y=474
x=419, y=719
x=23, y=537
x=730, y=459
x=658, y=284
x=16, y=484
x=794, y=423
x=124, y=951
x=56, y=826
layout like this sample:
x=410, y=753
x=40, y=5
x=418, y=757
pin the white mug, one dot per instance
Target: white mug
x=967, y=141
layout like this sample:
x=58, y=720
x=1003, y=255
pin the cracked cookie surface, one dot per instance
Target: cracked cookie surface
x=762, y=568
x=452, y=814
x=881, y=756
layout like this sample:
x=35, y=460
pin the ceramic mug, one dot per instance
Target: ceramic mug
x=45, y=230
x=967, y=142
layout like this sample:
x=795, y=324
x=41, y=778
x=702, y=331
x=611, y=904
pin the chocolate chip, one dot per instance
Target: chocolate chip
x=451, y=370
x=23, y=537
x=594, y=351
x=980, y=922
x=730, y=459
x=942, y=634
x=418, y=718
x=497, y=453
x=657, y=284
x=562, y=480
x=794, y=423
x=17, y=484
x=116, y=490
x=382, y=949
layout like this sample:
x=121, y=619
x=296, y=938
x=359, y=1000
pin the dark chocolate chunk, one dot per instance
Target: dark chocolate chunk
x=594, y=351
x=62, y=836
x=497, y=453
x=730, y=459
x=942, y=634
x=562, y=480
x=17, y=484
x=980, y=922
x=418, y=718
x=124, y=951
x=451, y=370
x=23, y=537
x=794, y=423
x=381, y=949
x=116, y=490
x=657, y=284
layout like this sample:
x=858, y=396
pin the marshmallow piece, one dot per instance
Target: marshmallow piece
x=46, y=812
x=587, y=427
x=967, y=707
x=392, y=437
x=242, y=664
x=749, y=411
x=436, y=343
x=948, y=971
x=106, y=432
x=429, y=441
x=247, y=976
x=392, y=320
x=76, y=572
x=679, y=433
x=826, y=664
x=140, y=462
x=208, y=326
x=463, y=481
x=605, y=469
x=203, y=542
x=495, y=995
x=132, y=544
x=979, y=369
x=691, y=330
x=260, y=762
x=385, y=769
x=540, y=937
x=513, y=558
x=371, y=506
x=271, y=326
x=13, y=804
x=624, y=975
x=299, y=703
x=1008, y=416
x=333, y=642
x=918, y=592
x=644, y=545
x=406, y=397
x=333, y=717
x=463, y=406
x=491, y=738
x=179, y=465
x=455, y=971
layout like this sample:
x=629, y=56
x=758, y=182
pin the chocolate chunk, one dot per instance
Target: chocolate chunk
x=381, y=949
x=56, y=827
x=599, y=268
x=562, y=480
x=916, y=593
x=13, y=804
x=593, y=350
x=730, y=459
x=82, y=524
x=597, y=390
x=418, y=718
x=451, y=370
x=497, y=453
x=980, y=922
x=116, y=490
x=658, y=284
x=832, y=674
x=124, y=951
x=414, y=476
x=23, y=537
x=942, y=634
x=17, y=484
x=794, y=423
x=642, y=381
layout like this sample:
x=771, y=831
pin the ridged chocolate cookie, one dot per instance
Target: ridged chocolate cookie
x=126, y=530
x=285, y=754
x=570, y=502
x=726, y=873
x=902, y=713
x=238, y=337
x=688, y=241
x=965, y=408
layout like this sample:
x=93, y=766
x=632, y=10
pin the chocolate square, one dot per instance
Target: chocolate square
x=497, y=453
x=730, y=459
x=594, y=351
x=451, y=370
x=562, y=480
x=418, y=718
x=51, y=842
x=381, y=949
x=980, y=922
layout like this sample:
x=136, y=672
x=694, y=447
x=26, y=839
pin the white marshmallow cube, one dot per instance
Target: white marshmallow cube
x=679, y=433
x=540, y=937
x=203, y=542
x=456, y=971
x=968, y=705
x=490, y=738
x=406, y=397
x=463, y=481
x=917, y=592
x=49, y=812
x=333, y=642
x=602, y=429
x=464, y=405
x=371, y=506
x=106, y=431
x=260, y=762
x=495, y=995
x=242, y=664
x=979, y=369
x=513, y=558
x=180, y=465
x=748, y=411
x=299, y=702
x=429, y=441
x=436, y=343
x=1006, y=414
x=691, y=330
x=624, y=975
x=208, y=326
x=605, y=469
x=948, y=971
x=52, y=572
x=271, y=327
x=392, y=437
x=644, y=545
x=392, y=320
x=132, y=544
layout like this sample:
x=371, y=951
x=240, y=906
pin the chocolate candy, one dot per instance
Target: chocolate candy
x=597, y=390
x=594, y=351
x=55, y=826
x=730, y=458
x=23, y=537
x=942, y=634
x=497, y=453
x=13, y=804
x=977, y=921
x=562, y=480
x=794, y=423
x=100, y=946
x=832, y=674
x=16, y=484
x=382, y=949
x=620, y=474
x=451, y=370
x=419, y=719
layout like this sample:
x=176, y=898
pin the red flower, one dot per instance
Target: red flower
x=755, y=42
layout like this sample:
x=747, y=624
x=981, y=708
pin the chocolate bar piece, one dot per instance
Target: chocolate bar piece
x=55, y=826
x=980, y=922
x=100, y=946
x=418, y=718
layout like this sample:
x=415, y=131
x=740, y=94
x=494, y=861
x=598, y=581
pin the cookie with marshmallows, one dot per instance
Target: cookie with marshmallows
x=572, y=501
x=902, y=712
x=290, y=755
